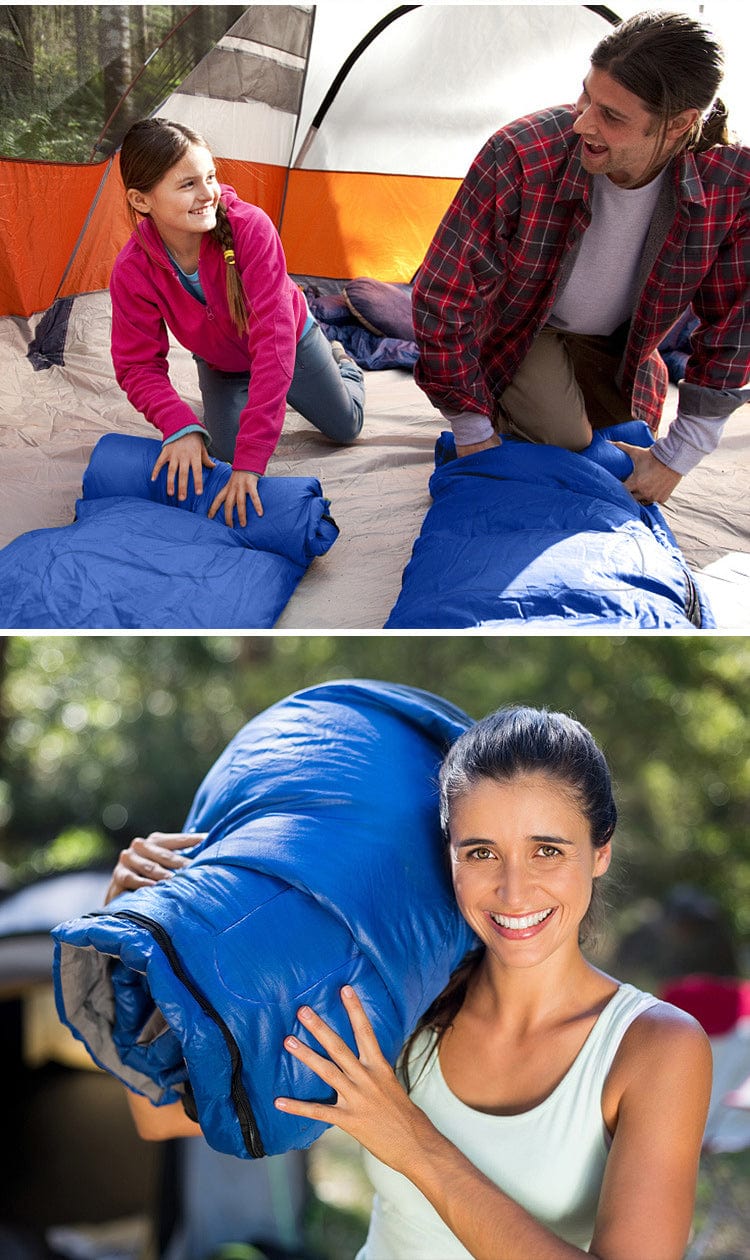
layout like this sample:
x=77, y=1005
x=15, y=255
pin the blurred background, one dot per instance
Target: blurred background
x=103, y=738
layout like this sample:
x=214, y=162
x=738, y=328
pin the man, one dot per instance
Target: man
x=578, y=238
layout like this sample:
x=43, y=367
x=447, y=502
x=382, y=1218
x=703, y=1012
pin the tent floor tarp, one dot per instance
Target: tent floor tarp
x=51, y=419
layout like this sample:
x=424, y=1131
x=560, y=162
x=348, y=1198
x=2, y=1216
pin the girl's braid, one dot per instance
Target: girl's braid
x=236, y=296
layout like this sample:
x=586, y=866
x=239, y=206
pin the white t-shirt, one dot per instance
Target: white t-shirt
x=601, y=291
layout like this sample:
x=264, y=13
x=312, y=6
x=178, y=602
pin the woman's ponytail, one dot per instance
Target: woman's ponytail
x=236, y=296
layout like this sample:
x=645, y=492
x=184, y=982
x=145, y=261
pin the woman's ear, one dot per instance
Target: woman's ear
x=602, y=859
x=138, y=200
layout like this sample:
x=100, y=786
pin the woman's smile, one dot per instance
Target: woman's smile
x=520, y=927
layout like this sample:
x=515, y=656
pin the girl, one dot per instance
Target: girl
x=541, y=1109
x=210, y=268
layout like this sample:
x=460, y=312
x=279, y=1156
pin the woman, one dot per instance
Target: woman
x=540, y=1109
x=210, y=268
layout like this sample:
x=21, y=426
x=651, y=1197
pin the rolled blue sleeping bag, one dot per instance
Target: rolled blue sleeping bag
x=323, y=866
x=296, y=521
x=130, y=561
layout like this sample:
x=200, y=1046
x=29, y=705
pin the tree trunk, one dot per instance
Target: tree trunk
x=115, y=55
x=17, y=52
x=82, y=17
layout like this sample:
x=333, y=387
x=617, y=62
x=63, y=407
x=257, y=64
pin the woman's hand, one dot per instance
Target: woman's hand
x=371, y=1104
x=234, y=495
x=147, y=861
x=183, y=456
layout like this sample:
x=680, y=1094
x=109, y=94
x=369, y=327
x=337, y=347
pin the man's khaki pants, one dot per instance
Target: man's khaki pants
x=564, y=389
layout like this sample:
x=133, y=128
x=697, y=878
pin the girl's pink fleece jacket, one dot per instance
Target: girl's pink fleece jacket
x=148, y=298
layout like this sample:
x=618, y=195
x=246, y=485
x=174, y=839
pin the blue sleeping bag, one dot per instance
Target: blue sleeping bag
x=537, y=535
x=322, y=866
x=136, y=558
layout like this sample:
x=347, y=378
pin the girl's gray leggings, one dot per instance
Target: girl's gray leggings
x=330, y=395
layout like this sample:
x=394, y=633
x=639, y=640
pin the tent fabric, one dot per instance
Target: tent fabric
x=373, y=155
x=322, y=866
x=362, y=119
x=539, y=536
x=137, y=558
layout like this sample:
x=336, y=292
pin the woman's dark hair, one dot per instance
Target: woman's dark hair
x=672, y=63
x=512, y=742
x=149, y=150
x=522, y=740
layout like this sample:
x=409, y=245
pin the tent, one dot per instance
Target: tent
x=360, y=120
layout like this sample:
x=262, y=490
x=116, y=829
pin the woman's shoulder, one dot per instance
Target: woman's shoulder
x=663, y=1058
x=660, y=1034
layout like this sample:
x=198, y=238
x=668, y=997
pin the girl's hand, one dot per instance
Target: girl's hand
x=146, y=861
x=371, y=1104
x=183, y=456
x=234, y=495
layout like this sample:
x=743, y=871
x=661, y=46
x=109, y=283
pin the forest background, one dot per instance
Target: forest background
x=104, y=738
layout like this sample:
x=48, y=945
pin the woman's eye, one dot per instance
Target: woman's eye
x=481, y=854
x=549, y=851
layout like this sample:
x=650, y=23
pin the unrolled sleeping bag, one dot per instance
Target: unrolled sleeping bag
x=136, y=558
x=525, y=534
x=322, y=866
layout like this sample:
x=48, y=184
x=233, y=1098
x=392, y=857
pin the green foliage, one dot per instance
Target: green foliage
x=113, y=734
x=69, y=73
x=76, y=848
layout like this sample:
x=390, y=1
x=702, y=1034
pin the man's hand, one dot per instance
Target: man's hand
x=478, y=446
x=650, y=481
x=234, y=495
x=183, y=456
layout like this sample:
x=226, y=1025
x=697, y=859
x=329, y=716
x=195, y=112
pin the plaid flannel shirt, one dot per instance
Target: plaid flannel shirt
x=489, y=279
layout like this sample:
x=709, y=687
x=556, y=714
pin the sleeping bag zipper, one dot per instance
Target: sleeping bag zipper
x=692, y=603
x=242, y=1105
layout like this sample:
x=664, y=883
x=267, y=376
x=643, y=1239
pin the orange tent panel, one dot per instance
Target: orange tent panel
x=106, y=231
x=38, y=236
x=259, y=183
x=345, y=223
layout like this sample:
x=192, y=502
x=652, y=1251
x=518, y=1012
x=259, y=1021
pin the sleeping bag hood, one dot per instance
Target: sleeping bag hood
x=322, y=866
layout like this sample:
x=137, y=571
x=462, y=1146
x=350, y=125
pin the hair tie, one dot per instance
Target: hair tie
x=229, y=257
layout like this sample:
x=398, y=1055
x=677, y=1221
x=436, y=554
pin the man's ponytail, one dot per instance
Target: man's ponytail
x=711, y=130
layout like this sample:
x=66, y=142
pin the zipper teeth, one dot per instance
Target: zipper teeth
x=248, y=1125
x=693, y=607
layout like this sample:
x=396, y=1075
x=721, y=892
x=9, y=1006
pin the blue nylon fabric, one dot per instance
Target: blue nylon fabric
x=322, y=866
x=137, y=559
x=532, y=534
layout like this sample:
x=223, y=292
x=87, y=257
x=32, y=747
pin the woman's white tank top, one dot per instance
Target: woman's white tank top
x=550, y=1159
